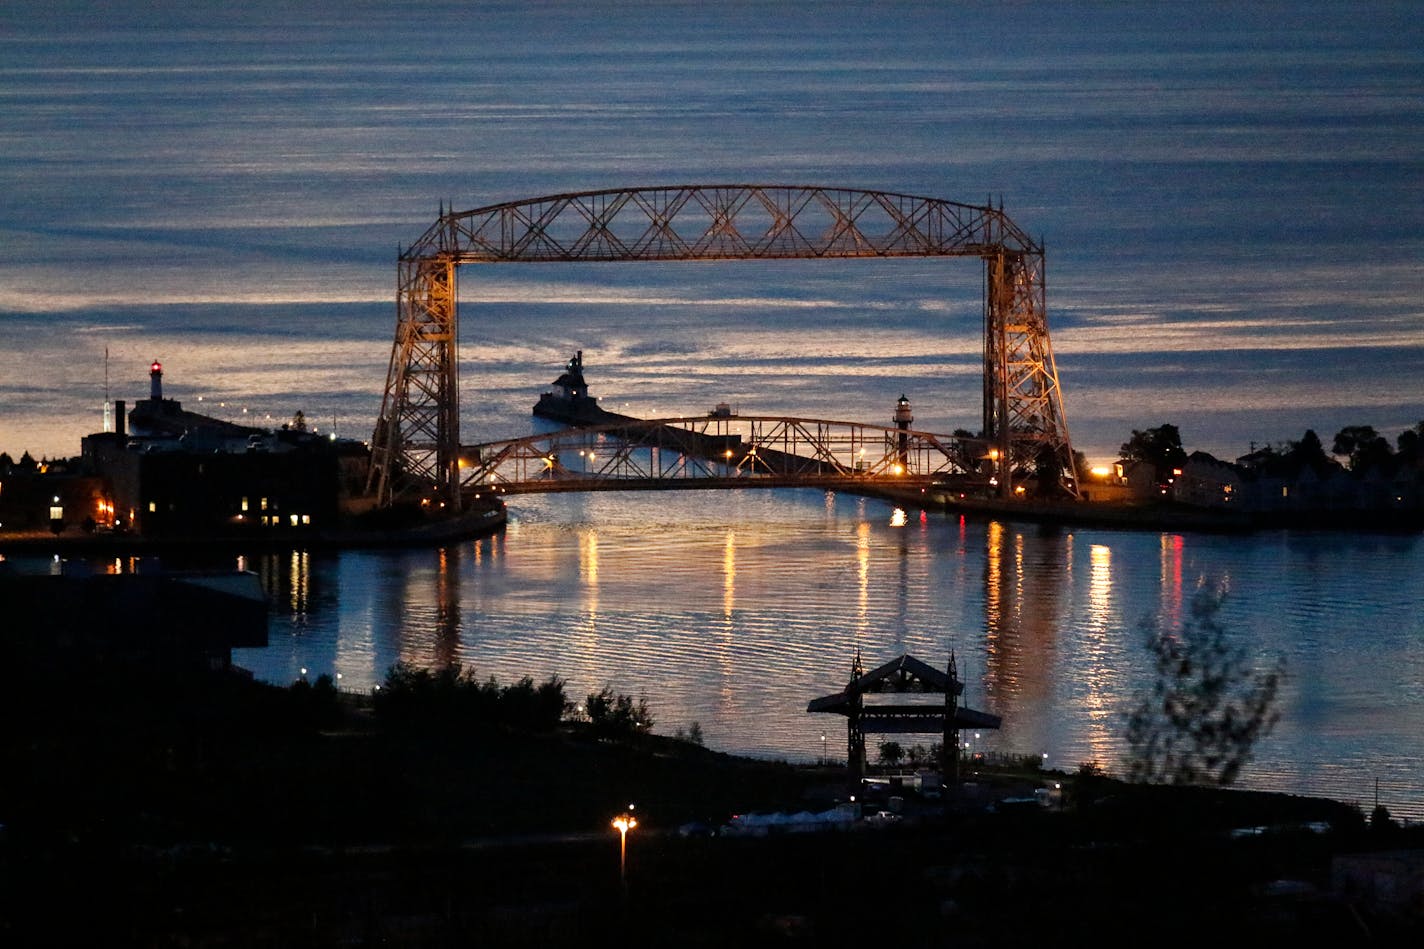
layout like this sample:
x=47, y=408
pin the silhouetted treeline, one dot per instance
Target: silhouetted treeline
x=455, y=698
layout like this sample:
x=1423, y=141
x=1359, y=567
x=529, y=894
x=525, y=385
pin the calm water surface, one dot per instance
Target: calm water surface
x=1230, y=200
x=734, y=609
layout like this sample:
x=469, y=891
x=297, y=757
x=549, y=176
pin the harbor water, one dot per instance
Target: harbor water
x=733, y=609
x=1229, y=196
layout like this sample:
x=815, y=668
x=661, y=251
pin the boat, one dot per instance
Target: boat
x=569, y=401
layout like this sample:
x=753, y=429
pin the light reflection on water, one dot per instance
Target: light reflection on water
x=734, y=609
x=234, y=182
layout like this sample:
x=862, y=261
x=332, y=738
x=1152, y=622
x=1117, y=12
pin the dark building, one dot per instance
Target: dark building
x=172, y=473
x=108, y=623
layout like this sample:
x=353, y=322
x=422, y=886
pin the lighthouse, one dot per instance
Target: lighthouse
x=903, y=418
x=155, y=381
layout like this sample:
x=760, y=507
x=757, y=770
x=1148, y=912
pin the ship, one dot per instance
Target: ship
x=570, y=403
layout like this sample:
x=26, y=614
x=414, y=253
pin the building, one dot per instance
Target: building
x=59, y=625
x=178, y=474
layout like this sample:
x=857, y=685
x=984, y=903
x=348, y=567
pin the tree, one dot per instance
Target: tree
x=452, y=698
x=970, y=450
x=1049, y=473
x=1202, y=717
x=617, y=715
x=1160, y=447
x=1408, y=444
x=1365, y=448
x=1349, y=439
x=693, y=735
x=1309, y=452
x=891, y=752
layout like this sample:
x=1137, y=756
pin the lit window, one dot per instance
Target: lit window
x=244, y=504
x=306, y=518
x=294, y=520
x=263, y=502
x=152, y=507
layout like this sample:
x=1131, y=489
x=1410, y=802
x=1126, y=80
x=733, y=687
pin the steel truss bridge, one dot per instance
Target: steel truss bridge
x=416, y=447
x=720, y=451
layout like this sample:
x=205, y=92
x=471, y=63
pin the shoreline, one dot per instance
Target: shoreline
x=470, y=525
x=249, y=835
x=1165, y=517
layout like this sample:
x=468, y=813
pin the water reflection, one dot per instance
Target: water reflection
x=1171, y=580
x=734, y=611
x=1025, y=574
x=1097, y=643
x=862, y=565
x=447, y=605
x=287, y=580
x=723, y=646
x=588, y=575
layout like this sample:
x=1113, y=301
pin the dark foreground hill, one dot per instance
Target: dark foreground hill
x=221, y=812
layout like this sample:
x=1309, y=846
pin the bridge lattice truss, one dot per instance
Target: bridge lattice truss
x=707, y=451
x=416, y=445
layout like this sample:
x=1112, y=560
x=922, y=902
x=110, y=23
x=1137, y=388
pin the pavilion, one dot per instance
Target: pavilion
x=902, y=676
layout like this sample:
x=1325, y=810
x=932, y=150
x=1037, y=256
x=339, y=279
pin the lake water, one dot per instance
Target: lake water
x=734, y=609
x=1230, y=199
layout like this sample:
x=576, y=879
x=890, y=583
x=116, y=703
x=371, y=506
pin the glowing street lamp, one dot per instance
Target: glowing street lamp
x=623, y=823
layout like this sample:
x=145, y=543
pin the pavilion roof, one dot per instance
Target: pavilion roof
x=903, y=674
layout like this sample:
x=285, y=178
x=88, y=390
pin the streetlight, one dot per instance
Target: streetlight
x=823, y=748
x=623, y=823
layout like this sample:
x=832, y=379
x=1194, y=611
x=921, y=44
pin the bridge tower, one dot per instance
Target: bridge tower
x=415, y=448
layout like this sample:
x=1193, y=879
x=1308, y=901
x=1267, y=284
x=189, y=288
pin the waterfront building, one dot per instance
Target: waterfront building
x=165, y=472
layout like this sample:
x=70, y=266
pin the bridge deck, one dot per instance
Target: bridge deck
x=574, y=483
x=719, y=453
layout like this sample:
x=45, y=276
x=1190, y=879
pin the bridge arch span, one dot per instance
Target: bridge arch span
x=416, y=443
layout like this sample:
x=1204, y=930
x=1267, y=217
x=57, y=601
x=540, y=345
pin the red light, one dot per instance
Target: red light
x=156, y=367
